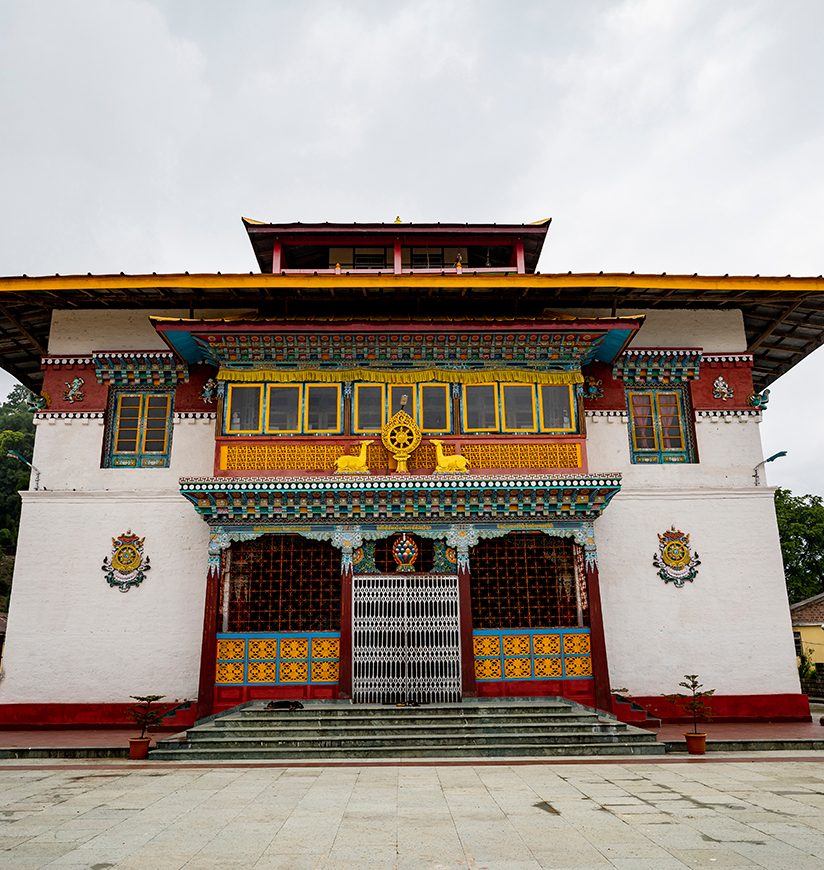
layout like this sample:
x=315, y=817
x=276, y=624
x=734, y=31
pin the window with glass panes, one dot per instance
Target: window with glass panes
x=258, y=409
x=658, y=427
x=140, y=430
x=428, y=404
x=519, y=407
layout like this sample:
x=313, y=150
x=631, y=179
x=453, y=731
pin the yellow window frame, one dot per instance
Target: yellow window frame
x=420, y=405
x=497, y=426
x=360, y=430
x=502, y=407
x=228, y=410
x=270, y=388
x=306, y=390
x=117, y=427
x=144, y=421
x=657, y=434
x=573, y=411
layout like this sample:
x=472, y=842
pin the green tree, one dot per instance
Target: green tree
x=17, y=434
x=801, y=529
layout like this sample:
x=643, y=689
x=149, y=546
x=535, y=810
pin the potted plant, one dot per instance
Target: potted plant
x=693, y=704
x=145, y=715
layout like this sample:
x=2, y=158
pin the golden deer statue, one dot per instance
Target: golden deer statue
x=353, y=464
x=448, y=464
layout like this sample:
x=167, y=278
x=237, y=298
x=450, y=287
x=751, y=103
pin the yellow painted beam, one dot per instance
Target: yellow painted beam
x=57, y=283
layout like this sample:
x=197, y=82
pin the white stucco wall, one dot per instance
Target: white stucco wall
x=74, y=639
x=68, y=451
x=728, y=449
x=80, y=332
x=731, y=625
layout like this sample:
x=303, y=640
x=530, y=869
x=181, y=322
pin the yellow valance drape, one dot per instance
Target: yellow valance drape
x=417, y=376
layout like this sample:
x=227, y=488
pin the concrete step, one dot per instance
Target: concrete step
x=417, y=739
x=295, y=720
x=389, y=730
x=459, y=751
x=340, y=730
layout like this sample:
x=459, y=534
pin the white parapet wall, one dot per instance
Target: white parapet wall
x=730, y=625
x=72, y=638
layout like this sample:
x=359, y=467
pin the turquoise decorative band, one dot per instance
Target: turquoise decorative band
x=656, y=367
x=353, y=499
x=139, y=369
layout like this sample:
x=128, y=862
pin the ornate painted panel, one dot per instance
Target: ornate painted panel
x=532, y=654
x=288, y=658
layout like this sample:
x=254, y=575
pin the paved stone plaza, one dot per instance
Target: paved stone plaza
x=716, y=813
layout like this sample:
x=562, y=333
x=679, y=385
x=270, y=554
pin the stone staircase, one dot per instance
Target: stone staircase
x=338, y=730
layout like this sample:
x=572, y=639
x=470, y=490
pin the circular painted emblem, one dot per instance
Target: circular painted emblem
x=125, y=558
x=675, y=555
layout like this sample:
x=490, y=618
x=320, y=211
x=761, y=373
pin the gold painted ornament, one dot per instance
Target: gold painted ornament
x=401, y=437
x=127, y=565
x=675, y=560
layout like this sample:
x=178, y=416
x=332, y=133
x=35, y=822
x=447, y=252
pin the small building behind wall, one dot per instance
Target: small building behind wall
x=399, y=465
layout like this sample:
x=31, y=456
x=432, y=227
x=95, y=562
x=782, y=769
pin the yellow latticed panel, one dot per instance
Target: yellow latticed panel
x=262, y=672
x=516, y=644
x=551, y=455
x=578, y=667
x=486, y=645
x=487, y=669
x=318, y=456
x=230, y=649
x=548, y=667
x=294, y=672
x=294, y=648
x=514, y=668
x=324, y=672
x=325, y=648
x=576, y=644
x=229, y=672
x=423, y=459
x=546, y=644
x=263, y=649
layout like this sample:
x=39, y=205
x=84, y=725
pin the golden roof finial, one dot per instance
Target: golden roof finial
x=398, y=220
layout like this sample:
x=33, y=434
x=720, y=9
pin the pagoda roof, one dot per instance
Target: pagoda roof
x=262, y=235
x=783, y=316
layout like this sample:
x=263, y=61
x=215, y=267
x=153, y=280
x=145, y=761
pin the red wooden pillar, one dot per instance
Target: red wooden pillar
x=277, y=257
x=208, y=646
x=468, y=688
x=520, y=262
x=345, y=653
x=397, y=260
x=600, y=666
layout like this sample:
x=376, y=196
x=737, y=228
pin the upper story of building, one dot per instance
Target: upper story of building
x=152, y=377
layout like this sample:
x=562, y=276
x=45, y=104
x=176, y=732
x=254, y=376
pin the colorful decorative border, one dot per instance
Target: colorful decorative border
x=139, y=369
x=277, y=659
x=655, y=367
x=407, y=497
x=532, y=654
x=546, y=348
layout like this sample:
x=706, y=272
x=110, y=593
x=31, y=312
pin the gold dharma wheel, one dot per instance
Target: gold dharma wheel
x=401, y=436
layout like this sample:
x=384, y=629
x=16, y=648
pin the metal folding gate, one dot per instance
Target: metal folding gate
x=405, y=638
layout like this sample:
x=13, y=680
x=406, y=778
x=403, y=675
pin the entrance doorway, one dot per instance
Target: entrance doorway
x=405, y=638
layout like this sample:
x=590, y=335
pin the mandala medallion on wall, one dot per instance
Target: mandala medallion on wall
x=675, y=560
x=127, y=565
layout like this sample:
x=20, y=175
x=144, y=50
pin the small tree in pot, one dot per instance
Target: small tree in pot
x=145, y=716
x=693, y=704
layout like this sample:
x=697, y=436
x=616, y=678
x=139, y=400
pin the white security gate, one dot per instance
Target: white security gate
x=405, y=638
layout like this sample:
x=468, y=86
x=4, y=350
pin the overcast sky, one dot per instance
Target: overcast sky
x=659, y=136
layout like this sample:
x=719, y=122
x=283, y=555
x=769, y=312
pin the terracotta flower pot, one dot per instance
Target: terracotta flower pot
x=139, y=748
x=696, y=743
